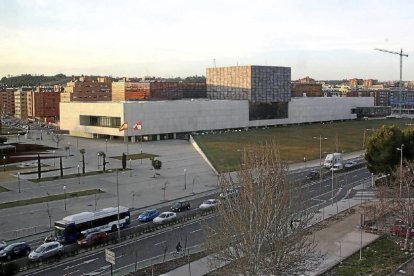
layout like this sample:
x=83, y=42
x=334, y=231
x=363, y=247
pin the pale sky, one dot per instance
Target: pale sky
x=324, y=39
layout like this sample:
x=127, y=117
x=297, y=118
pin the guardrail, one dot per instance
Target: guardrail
x=71, y=250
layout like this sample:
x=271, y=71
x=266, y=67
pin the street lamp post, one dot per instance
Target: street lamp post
x=130, y=167
x=4, y=163
x=117, y=198
x=18, y=137
x=401, y=166
x=320, y=138
x=332, y=190
x=106, y=145
x=18, y=180
x=54, y=159
x=78, y=175
x=64, y=192
x=185, y=179
x=304, y=160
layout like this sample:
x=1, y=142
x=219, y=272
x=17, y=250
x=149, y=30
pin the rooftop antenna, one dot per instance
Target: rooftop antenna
x=401, y=54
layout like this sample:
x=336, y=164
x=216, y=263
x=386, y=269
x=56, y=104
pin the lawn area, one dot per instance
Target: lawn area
x=296, y=141
x=48, y=198
x=136, y=156
x=2, y=189
x=380, y=258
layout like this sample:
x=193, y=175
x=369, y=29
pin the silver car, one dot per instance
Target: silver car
x=46, y=250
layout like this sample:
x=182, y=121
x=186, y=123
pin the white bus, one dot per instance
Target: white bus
x=70, y=228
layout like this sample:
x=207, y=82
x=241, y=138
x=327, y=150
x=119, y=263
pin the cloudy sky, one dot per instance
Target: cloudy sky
x=323, y=39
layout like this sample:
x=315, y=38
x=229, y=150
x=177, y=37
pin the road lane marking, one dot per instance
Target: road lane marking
x=159, y=243
x=192, y=232
x=90, y=261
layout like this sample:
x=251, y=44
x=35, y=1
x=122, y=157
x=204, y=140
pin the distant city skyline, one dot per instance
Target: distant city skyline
x=326, y=39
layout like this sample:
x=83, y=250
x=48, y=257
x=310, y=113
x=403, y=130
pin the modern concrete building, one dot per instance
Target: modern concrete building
x=172, y=119
x=87, y=89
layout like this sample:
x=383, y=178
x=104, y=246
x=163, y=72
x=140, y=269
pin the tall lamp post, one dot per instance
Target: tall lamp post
x=78, y=175
x=320, y=138
x=106, y=145
x=401, y=163
x=4, y=163
x=18, y=180
x=117, y=198
x=54, y=159
x=64, y=192
x=185, y=179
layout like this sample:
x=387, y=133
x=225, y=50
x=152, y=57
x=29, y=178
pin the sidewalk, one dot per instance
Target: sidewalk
x=336, y=242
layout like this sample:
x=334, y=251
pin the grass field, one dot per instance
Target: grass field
x=48, y=198
x=296, y=141
x=380, y=258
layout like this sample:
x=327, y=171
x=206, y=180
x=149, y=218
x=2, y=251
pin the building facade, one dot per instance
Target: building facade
x=168, y=119
x=20, y=104
x=157, y=90
x=43, y=105
x=306, y=90
x=88, y=89
x=7, y=102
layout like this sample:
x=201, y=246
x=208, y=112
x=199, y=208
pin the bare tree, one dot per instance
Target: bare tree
x=57, y=138
x=263, y=230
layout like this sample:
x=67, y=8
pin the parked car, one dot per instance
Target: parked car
x=46, y=250
x=230, y=193
x=148, y=215
x=401, y=231
x=3, y=244
x=312, y=175
x=180, y=206
x=14, y=251
x=93, y=238
x=208, y=204
x=165, y=217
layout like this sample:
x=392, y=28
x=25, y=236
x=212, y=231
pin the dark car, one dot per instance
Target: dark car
x=180, y=206
x=14, y=251
x=313, y=175
x=148, y=215
x=93, y=238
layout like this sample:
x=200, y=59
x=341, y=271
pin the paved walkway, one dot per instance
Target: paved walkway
x=336, y=242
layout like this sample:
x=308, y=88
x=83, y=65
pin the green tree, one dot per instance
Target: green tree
x=408, y=141
x=83, y=151
x=382, y=155
x=124, y=161
x=156, y=164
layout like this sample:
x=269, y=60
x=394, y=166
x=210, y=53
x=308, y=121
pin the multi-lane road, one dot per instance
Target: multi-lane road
x=151, y=248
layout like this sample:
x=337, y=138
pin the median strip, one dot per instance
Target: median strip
x=48, y=198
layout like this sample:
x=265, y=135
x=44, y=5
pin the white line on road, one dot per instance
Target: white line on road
x=66, y=274
x=158, y=243
x=91, y=260
x=192, y=232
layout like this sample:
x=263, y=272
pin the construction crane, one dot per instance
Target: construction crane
x=401, y=54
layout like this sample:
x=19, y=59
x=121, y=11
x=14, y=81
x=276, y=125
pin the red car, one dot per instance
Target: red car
x=93, y=238
x=401, y=231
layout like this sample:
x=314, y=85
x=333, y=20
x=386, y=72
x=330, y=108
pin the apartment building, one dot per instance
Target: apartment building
x=126, y=90
x=20, y=104
x=306, y=90
x=43, y=104
x=87, y=89
x=7, y=101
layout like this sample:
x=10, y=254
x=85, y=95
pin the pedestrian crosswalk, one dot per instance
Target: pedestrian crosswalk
x=364, y=195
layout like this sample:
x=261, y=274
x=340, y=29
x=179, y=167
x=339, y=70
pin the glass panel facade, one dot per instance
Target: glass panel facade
x=101, y=121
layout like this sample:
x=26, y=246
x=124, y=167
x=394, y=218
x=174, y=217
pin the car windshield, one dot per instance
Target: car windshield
x=147, y=212
x=163, y=215
x=177, y=204
x=40, y=249
x=9, y=247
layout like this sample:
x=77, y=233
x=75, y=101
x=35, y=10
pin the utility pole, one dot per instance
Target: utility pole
x=401, y=54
